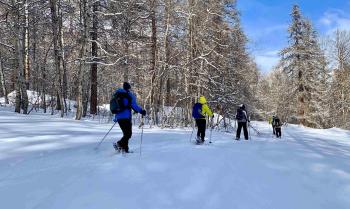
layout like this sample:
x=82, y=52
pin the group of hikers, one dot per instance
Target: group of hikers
x=123, y=101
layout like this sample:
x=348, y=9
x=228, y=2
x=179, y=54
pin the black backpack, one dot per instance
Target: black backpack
x=117, y=102
x=240, y=114
x=276, y=122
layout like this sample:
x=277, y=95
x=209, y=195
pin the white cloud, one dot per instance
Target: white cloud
x=267, y=60
x=335, y=19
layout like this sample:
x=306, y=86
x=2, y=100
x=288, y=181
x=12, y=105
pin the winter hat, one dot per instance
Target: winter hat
x=126, y=86
x=202, y=100
x=242, y=106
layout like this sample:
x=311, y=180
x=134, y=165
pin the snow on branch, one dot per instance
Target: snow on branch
x=109, y=14
x=8, y=46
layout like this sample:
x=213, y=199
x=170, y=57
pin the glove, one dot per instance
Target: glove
x=115, y=120
x=143, y=112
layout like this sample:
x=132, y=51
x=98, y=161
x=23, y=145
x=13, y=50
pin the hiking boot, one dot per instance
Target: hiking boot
x=125, y=149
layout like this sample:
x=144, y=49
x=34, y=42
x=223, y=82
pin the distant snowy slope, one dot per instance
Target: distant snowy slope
x=49, y=163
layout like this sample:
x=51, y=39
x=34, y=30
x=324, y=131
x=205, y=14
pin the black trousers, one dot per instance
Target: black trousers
x=201, y=124
x=278, y=132
x=273, y=129
x=126, y=126
x=245, y=130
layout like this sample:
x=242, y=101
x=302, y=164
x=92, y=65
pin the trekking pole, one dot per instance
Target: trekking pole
x=142, y=124
x=250, y=136
x=257, y=132
x=211, y=130
x=98, y=145
x=192, y=133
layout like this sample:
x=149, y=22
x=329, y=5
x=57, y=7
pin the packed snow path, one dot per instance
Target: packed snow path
x=50, y=163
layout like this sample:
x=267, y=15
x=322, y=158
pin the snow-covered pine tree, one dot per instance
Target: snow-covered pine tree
x=303, y=62
x=316, y=79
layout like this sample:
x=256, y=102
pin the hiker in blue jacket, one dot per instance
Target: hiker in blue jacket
x=125, y=101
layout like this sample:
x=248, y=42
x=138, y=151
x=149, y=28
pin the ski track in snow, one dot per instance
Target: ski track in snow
x=50, y=163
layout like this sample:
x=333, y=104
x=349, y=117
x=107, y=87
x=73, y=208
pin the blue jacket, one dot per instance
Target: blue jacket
x=126, y=114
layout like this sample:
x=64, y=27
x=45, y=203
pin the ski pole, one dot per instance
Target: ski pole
x=257, y=132
x=142, y=123
x=98, y=145
x=211, y=130
x=192, y=133
x=250, y=136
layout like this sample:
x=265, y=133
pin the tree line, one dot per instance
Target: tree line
x=311, y=83
x=171, y=52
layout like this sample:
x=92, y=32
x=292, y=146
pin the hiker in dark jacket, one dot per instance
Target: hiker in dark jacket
x=271, y=122
x=243, y=120
x=277, y=125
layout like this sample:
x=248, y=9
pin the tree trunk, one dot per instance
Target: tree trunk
x=55, y=29
x=21, y=91
x=80, y=93
x=153, y=60
x=167, y=53
x=2, y=80
x=26, y=46
x=17, y=74
x=63, y=75
x=94, y=54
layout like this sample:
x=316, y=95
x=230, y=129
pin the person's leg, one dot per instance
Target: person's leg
x=278, y=132
x=202, y=131
x=198, y=129
x=239, y=128
x=273, y=130
x=126, y=127
x=245, y=130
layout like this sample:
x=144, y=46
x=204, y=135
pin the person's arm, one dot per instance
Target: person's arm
x=206, y=110
x=246, y=116
x=134, y=105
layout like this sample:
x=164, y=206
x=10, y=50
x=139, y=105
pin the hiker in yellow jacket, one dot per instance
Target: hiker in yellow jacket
x=271, y=121
x=199, y=112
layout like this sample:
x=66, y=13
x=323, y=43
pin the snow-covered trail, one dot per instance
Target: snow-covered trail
x=48, y=162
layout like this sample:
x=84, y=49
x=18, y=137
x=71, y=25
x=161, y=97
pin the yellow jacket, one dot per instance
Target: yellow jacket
x=270, y=120
x=205, y=109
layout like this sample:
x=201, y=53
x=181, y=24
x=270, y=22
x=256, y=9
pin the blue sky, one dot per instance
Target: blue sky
x=266, y=23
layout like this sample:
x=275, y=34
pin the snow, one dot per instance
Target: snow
x=49, y=162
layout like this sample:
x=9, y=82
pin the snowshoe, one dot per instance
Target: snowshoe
x=200, y=141
x=117, y=147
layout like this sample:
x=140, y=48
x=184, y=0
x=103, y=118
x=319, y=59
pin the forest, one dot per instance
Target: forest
x=171, y=51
